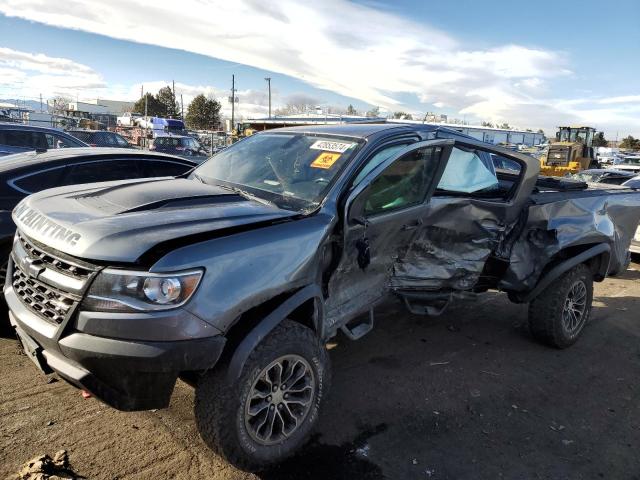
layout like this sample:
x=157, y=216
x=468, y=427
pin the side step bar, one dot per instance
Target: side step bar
x=360, y=329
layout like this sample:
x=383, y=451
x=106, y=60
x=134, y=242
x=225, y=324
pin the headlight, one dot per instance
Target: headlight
x=127, y=291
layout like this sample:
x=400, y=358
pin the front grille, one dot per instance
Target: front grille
x=47, y=284
x=51, y=304
x=56, y=263
x=558, y=156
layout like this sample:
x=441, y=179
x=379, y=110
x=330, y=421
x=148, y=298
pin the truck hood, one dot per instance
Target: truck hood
x=120, y=221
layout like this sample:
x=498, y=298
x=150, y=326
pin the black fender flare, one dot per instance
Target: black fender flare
x=268, y=323
x=566, y=265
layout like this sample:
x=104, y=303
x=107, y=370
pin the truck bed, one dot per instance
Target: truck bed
x=570, y=219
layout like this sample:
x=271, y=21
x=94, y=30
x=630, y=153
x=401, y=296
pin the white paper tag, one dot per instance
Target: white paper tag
x=328, y=146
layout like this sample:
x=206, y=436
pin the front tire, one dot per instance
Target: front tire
x=558, y=315
x=270, y=411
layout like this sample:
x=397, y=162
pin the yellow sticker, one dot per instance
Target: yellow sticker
x=325, y=160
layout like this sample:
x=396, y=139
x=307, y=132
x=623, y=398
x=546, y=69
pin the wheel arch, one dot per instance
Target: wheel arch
x=304, y=306
x=595, y=256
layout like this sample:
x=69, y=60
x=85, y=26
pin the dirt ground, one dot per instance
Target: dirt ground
x=466, y=395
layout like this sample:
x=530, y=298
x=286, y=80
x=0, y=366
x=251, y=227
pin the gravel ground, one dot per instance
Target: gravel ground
x=464, y=395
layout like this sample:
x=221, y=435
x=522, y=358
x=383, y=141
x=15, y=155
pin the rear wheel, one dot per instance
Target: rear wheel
x=558, y=315
x=269, y=412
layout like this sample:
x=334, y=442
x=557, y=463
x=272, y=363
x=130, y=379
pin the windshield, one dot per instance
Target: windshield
x=579, y=135
x=279, y=167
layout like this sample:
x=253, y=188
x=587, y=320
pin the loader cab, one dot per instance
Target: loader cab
x=581, y=135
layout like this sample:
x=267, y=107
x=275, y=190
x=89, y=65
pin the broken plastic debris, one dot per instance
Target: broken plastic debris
x=85, y=394
x=43, y=466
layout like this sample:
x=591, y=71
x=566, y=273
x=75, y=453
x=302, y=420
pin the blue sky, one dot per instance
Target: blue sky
x=532, y=64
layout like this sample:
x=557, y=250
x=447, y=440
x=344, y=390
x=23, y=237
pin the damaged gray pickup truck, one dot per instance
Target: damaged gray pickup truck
x=234, y=276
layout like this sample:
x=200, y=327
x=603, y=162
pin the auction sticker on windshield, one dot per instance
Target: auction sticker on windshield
x=325, y=160
x=327, y=146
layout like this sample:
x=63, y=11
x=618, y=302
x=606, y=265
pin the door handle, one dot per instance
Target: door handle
x=412, y=225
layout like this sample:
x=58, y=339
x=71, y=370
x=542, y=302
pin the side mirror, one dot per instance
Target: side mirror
x=355, y=207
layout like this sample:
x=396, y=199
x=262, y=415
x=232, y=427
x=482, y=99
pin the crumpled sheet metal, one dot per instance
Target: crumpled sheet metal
x=452, y=247
x=579, y=220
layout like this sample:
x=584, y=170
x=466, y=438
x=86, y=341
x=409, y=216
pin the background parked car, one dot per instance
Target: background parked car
x=630, y=163
x=18, y=138
x=101, y=138
x=602, y=175
x=179, y=145
x=633, y=183
x=26, y=173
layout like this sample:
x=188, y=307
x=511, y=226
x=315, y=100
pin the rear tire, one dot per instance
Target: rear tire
x=233, y=418
x=558, y=315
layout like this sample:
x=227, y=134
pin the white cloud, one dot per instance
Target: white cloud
x=357, y=50
x=622, y=99
x=251, y=103
x=39, y=73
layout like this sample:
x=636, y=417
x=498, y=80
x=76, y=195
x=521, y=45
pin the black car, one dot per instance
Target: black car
x=179, y=145
x=101, y=138
x=18, y=138
x=26, y=173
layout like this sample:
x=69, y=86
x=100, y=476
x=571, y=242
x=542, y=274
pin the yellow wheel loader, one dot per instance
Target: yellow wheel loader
x=571, y=152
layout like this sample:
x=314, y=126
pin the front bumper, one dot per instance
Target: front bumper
x=125, y=374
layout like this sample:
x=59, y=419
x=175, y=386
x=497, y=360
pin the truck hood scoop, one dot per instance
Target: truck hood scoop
x=151, y=195
x=120, y=221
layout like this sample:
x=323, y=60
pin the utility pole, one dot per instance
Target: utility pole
x=40, y=103
x=174, y=95
x=141, y=91
x=268, y=79
x=233, y=101
x=181, y=108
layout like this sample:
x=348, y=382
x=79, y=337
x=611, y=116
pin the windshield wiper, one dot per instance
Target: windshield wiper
x=244, y=194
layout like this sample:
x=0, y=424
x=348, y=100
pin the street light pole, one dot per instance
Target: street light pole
x=233, y=101
x=268, y=79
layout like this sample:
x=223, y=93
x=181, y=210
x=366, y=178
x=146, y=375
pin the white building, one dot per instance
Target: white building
x=102, y=107
x=491, y=135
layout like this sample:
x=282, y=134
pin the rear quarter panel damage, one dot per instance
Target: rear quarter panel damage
x=581, y=220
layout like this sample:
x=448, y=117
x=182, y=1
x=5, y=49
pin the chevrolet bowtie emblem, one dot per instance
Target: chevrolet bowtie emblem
x=33, y=266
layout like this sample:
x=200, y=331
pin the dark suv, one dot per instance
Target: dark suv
x=18, y=138
x=178, y=145
x=101, y=138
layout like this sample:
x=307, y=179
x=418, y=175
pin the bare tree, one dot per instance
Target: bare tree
x=59, y=104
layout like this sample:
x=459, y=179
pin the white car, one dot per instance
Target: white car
x=630, y=163
x=128, y=119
